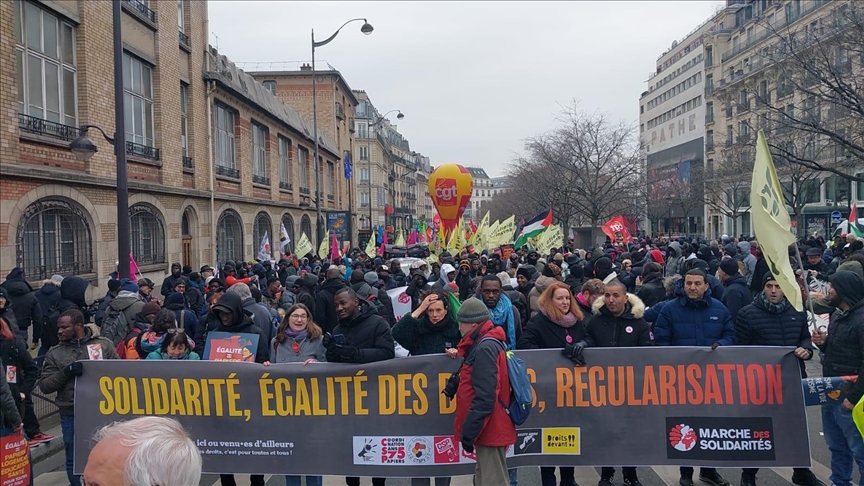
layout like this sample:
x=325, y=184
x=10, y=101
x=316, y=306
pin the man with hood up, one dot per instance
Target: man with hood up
x=260, y=315
x=416, y=286
x=325, y=311
x=25, y=305
x=72, y=291
x=172, y=280
x=127, y=301
x=748, y=259
x=234, y=320
x=447, y=276
x=673, y=258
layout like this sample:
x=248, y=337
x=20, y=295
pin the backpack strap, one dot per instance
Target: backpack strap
x=503, y=348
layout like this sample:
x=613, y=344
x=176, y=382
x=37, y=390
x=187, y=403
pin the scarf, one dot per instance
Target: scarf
x=296, y=335
x=569, y=320
x=773, y=308
x=502, y=315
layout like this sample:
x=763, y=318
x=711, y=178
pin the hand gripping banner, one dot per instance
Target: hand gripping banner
x=732, y=407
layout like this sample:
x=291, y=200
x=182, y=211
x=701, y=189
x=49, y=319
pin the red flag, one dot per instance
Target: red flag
x=383, y=242
x=472, y=226
x=334, y=249
x=616, y=230
x=133, y=267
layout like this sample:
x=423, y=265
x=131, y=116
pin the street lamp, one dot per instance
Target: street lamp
x=367, y=29
x=83, y=148
x=369, y=156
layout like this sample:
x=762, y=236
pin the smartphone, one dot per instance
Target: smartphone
x=340, y=339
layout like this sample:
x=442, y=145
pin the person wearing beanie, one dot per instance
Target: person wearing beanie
x=736, y=293
x=384, y=303
x=843, y=348
x=772, y=321
x=481, y=425
x=173, y=279
x=127, y=301
x=186, y=319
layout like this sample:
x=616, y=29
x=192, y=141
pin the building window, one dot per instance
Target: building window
x=288, y=222
x=382, y=197
x=45, y=65
x=284, y=163
x=362, y=130
x=364, y=176
x=229, y=237
x=181, y=20
x=148, y=234
x=364, y=199
x=303, y=167
x=138, y=100
x=224, y=139
x=54, y=238
x=331, y=178
x=259, y=154
x=270, y=86
x=364, y=153
x=306, y=228
x=184, y=115
x=261, y=227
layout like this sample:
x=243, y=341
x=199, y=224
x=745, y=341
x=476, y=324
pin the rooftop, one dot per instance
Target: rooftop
x=293, y=68
x=477, y=172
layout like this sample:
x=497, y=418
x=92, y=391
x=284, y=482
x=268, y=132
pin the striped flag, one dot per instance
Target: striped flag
x=533, y=228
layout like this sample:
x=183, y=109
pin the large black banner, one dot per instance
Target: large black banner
x=636, y=406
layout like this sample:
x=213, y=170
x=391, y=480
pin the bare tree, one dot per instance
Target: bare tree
x=821, y=63
x=800, y=183
x=727, y=188
x=588, y=166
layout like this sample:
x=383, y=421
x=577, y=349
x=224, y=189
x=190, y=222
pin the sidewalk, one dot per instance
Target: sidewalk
x=48, y=449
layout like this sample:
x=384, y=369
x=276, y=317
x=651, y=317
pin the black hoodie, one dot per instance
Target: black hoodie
x=172, y=280
x=369, y=333
x=25, y=305
x=72, y=292
x=242, y=324
x=325, y=310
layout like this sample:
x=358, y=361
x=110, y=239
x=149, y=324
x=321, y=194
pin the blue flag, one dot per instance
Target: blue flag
x=348, y=165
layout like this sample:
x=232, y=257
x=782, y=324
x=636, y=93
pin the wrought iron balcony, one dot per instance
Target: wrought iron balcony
x=260, y=179
x=232, y=172
x=331, y=197
x=285, y=185
x=184, y=39
x=340, y=111
x=304, y=190
x=38, y=126
x=142, y=8
x=188, y=164
x=142, y=151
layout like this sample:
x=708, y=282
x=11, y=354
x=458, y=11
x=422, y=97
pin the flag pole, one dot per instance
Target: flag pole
x=812, y=317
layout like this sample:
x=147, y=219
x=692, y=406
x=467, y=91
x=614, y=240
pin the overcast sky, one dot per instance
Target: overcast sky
x=473, y=79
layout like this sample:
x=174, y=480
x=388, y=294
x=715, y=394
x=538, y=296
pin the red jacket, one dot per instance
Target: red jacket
x=231, y=280
x=480, y=418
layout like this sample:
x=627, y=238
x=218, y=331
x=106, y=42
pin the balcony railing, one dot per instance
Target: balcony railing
x=188, y=164
x=340, y=111
x=351, y=124
x=331, y=197
x=143, y=9
x=304, y=190
x=709, y=146
x=364, y=181
x=232, y=172
x=285, y=185
x=142, y=151
x=184, y=39
x=38, y=126
x=709, y=117
x=260, y=179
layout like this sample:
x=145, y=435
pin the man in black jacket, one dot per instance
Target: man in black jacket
x=172, y=280
x=617, y=322
x=325, y=311
x=736, y=293
x=362, y=336
x=772, y=321
x=25, y=305
x=843, y=346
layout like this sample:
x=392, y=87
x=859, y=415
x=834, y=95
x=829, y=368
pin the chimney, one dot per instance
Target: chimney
x=306, y=67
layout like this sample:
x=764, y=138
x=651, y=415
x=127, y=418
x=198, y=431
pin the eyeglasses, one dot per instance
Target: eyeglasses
x=175, y=330
x=299, y=316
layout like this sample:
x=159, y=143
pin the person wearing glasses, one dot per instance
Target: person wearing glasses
x=151, y=340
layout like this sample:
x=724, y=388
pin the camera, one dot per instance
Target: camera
x=452, y=385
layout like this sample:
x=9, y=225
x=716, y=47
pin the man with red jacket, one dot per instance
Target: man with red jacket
x=481, y=423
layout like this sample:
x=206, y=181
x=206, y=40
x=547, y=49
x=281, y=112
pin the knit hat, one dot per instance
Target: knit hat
x=551, y=270
x=57, y=279
x=729, y=266
x=370, y=277
x=767, y=278
x=814, y=252
x=174, y=298
x=851, y=266
x=464, y=263
x=524, y=272
x=849, y=286
x=657, y=256
x=731, y=249
x=150, y=308
x=473, y=311
x=128, y=285
x=113, y=285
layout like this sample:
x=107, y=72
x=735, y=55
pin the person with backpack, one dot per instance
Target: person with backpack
x=143, y=321
x=482, y=425
x=120, y=312
x=186, y=319
x=72, y=292
x=175, y=346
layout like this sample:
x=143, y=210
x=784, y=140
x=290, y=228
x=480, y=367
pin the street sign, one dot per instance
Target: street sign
x=836, y=217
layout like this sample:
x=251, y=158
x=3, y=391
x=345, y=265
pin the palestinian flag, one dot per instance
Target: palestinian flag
x=533, y=228
x=853, y=220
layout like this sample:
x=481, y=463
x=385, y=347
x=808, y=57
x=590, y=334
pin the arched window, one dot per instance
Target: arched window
x=148, y=234
x=229, y=237
x=306, y=227
x=262, y=226
x=54, y=238
x=184, y=225
x=288, y=222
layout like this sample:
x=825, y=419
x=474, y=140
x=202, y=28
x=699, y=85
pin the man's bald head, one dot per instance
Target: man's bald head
x=333, y=273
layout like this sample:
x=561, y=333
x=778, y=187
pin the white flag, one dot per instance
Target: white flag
x=264, y=251
x=283, y=237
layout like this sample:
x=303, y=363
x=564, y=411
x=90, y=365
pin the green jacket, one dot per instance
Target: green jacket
x=59, y=357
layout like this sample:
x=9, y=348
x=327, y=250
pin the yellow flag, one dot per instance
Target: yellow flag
x=771, y=222
x=488, y=238
x=400, y=240
x=304, y=246
x=504, y=233
x=858, y=416
x=370, y=247
x=477, y=237
x=324, y=246
x=457, y=240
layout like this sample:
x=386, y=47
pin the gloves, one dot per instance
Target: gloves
x=327, y=340
x=73, y=370
x=573, y=352
x=714, y=346
x=468, y=445
x=347, y=353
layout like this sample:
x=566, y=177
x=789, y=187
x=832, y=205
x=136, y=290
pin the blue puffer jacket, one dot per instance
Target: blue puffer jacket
x=685, y=322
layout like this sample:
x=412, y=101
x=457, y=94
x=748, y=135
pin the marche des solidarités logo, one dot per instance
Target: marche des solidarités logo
x=720, y=438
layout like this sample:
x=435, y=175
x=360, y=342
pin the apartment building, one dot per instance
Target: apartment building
x=481, y=194
x=672, y=132
x=753, y=82
x=215, y=159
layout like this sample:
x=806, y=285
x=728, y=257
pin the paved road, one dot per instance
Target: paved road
x=51, y=473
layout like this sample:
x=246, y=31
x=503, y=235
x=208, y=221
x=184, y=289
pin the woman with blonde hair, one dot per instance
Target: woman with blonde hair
x=557, y=325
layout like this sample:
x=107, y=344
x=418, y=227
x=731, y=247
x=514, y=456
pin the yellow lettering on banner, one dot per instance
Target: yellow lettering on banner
x=217, y=394
x=122, y=395
x=192, y=391
x=266, y=395
x=106, y=405
x=421, y=404
x=331, y=397
x=303, y=406
x=404, y=393
x=343, y=382
x=316, y=399
x=386, y=395
x=360, y=394
x=564, y=387
x=445, y=405
x=159, y=396
x=178, y=406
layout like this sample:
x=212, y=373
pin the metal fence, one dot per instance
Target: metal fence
x=44, y=405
